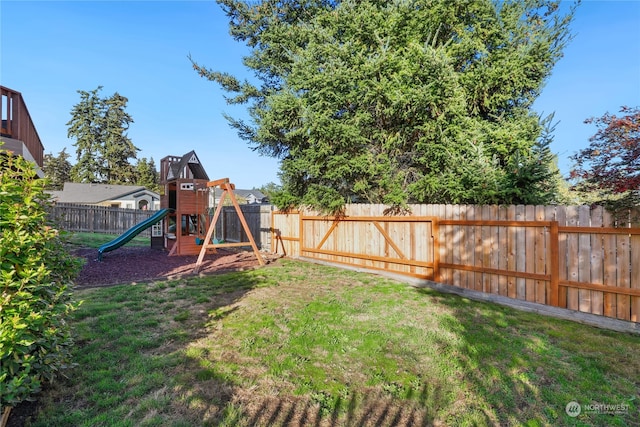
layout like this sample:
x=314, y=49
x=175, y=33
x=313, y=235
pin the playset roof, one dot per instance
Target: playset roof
x=191, y=162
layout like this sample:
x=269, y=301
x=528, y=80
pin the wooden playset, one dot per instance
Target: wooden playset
x=188, y=227
x=185, y=192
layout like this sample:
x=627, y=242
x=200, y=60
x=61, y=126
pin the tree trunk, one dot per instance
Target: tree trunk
x=5, y=416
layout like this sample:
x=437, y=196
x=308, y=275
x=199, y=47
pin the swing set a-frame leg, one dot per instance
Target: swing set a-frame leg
x=227, y=191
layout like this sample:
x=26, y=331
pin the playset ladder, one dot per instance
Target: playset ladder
x=227, y=190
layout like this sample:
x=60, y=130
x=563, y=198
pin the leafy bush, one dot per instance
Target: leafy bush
x=36, y=272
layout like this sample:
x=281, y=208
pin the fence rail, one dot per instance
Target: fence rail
x=570, y=257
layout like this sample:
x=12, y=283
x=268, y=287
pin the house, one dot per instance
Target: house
x=120, y=196
x=18, y=133
x=244, y=196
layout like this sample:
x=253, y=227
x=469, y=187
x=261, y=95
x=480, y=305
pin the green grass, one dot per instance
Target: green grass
x=95, y=240
x=301, y=344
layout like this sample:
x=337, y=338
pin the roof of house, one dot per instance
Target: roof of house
x=191, y=161
x=244, y=193
x=74, y=192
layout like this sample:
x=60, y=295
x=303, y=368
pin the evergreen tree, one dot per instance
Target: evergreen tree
x=86, y=127
x=118, y=148
x=396, y=102
x=270, y=189
x=57, y=169
x=103, y=148
x=147, y=175
x=533, y=178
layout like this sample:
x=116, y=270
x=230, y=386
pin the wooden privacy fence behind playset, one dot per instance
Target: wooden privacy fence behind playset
x=257, y=216
x=97, y=219
x=563, y=256
x=109, y=220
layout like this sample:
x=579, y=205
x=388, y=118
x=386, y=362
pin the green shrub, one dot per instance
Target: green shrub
x=36, y=272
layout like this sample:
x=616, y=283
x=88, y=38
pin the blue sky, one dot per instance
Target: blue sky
x=51, y=49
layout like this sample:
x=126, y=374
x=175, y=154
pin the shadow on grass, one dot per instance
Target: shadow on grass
x=208, y=395
x=526, y=367
x=146, y=357
x=133, y=365
x=501, y=360
x=361, y=409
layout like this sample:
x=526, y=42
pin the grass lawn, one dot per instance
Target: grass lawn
x=95, y=240
x=295, y=343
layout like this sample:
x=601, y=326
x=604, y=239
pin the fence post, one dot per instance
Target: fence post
x=554, y=264
x=436, y=249
x=272, y=230
x=301, y=232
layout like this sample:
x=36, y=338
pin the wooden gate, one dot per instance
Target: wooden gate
x=397, y=244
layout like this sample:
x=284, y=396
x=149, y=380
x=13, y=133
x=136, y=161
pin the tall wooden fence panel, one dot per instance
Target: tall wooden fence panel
x=97, y=219
x=258, y=217
x=565, y=256
x=285, y=227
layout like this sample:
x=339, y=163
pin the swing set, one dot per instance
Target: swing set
x=211, y=244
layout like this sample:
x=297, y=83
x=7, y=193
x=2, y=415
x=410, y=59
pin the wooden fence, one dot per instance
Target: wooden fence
x=563, y=256
x=108, y=220
x=258, y=217
x=97, y=219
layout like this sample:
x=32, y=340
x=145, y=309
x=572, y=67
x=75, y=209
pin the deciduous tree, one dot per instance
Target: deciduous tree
x=611, y=162
x=608, y=170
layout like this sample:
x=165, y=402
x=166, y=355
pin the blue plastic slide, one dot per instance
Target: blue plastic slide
x=132, y=232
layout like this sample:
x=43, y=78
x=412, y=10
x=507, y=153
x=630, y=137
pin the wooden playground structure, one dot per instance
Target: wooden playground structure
x=209, y=244
x=184, y=183
x=188, y=229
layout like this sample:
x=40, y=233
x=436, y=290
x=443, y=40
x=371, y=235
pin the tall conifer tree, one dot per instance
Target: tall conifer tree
x=86, y=127
x=103, y=148
x=147, y=175
x=395, y=101
x=57, y=169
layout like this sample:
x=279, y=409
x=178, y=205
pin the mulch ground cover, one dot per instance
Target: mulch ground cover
x=142, y=264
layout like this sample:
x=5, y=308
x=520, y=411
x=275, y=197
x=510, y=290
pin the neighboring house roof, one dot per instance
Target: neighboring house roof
x=74, y=192
x=245, y=194
x=191, y=161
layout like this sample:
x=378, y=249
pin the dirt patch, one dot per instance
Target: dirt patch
x=22, y=413
x=141, y=264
